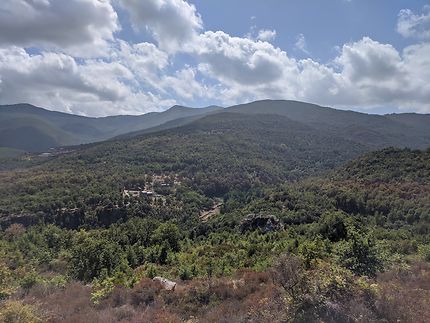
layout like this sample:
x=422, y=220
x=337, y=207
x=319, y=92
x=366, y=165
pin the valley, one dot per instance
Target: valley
x=220, y=205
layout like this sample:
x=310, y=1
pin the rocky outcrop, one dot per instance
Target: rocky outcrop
x=265, y=223
x=165, y=283
x=25, y=220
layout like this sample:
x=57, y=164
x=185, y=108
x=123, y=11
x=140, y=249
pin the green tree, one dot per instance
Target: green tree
x=93, y=256
x=359, y=254
x=167, y=234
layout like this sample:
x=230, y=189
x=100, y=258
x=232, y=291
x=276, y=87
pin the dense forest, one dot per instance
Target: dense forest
x=256, y=218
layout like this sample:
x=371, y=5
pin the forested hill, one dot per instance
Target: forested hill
x=338, y=232
x=213, y=155
x=390, y=187
x=377, y=131
x=230, y=202
x=29, y=128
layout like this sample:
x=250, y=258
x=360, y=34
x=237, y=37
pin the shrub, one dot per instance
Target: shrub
x=6, y=281
x=145, y=292
x=359, y=255
x=14, y=231
x=185, y=273
x=17, y=312
x=289, y=273
x=424, y=251
x=332, y=226
x=29, y=280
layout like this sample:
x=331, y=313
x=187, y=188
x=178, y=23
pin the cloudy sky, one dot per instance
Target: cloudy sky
x=105, y=57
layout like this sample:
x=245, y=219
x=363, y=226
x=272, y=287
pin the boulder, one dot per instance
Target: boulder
x=165, y=283
x=265, y=223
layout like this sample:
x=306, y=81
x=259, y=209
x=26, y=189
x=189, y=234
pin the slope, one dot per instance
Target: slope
x=30, y=128
x=401, y=130
x=214, y=155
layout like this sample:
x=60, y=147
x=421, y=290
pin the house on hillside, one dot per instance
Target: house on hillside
x=136, y=193
x=130, y=193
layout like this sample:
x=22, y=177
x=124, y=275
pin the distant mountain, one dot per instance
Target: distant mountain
x=30, y=128
x=376, y=131
x=213, y=155
x=231, y=151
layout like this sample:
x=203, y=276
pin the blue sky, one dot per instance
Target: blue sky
x=325, y=24
x=104, y=57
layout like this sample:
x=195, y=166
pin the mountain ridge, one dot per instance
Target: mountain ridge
x=30, y=128
x=21, y=126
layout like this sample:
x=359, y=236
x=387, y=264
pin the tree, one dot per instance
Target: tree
x=332, y=226
x=289, y=273
x=167, y=234
x=359, y=255
x=94, y=256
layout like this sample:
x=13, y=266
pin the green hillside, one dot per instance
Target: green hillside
x=354, y=238
x=235, y=207
x=30, y=128
x=214, y=155
x=400, y=130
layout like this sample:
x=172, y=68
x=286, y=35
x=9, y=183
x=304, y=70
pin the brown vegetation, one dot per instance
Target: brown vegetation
x=287, y=293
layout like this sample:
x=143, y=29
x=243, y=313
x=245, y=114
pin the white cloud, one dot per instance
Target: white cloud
x=94, y=87
x=90, y=71
x=301, y=44
x=145, y=60
x=80, y=27
x=414, y=25
x=173, y=23
x=369, y=61
x=239, y=60
x=372, y=74
x=266, y=35
x=184, y=84
x=366, y=73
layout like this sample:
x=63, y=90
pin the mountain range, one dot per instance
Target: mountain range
x=201, y=196
x=28, y=128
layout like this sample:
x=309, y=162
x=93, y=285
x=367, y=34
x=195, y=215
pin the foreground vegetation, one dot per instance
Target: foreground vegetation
x=351, y=245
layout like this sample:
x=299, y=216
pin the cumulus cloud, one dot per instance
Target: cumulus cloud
x=414, y=25
x=90, y=71
x=94, y=87
x=173, y=23
x=369, y=61
x=266, y=34
x=373, y=74
x=239, y=60
x=366, y=73
x=81, y=27
x=185, y=84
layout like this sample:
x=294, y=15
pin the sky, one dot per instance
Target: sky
x=110, y=57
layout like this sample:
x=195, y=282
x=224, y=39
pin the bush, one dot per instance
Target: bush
x=93, y=257
x=6, y=281
x=289, y=273
x=29, y=280
x=185, y=273
x=424, y=251
x=145, y=292
x=360, y=256
x=17, y=312
x=332, y=226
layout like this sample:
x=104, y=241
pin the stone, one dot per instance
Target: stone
x=165, y=283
